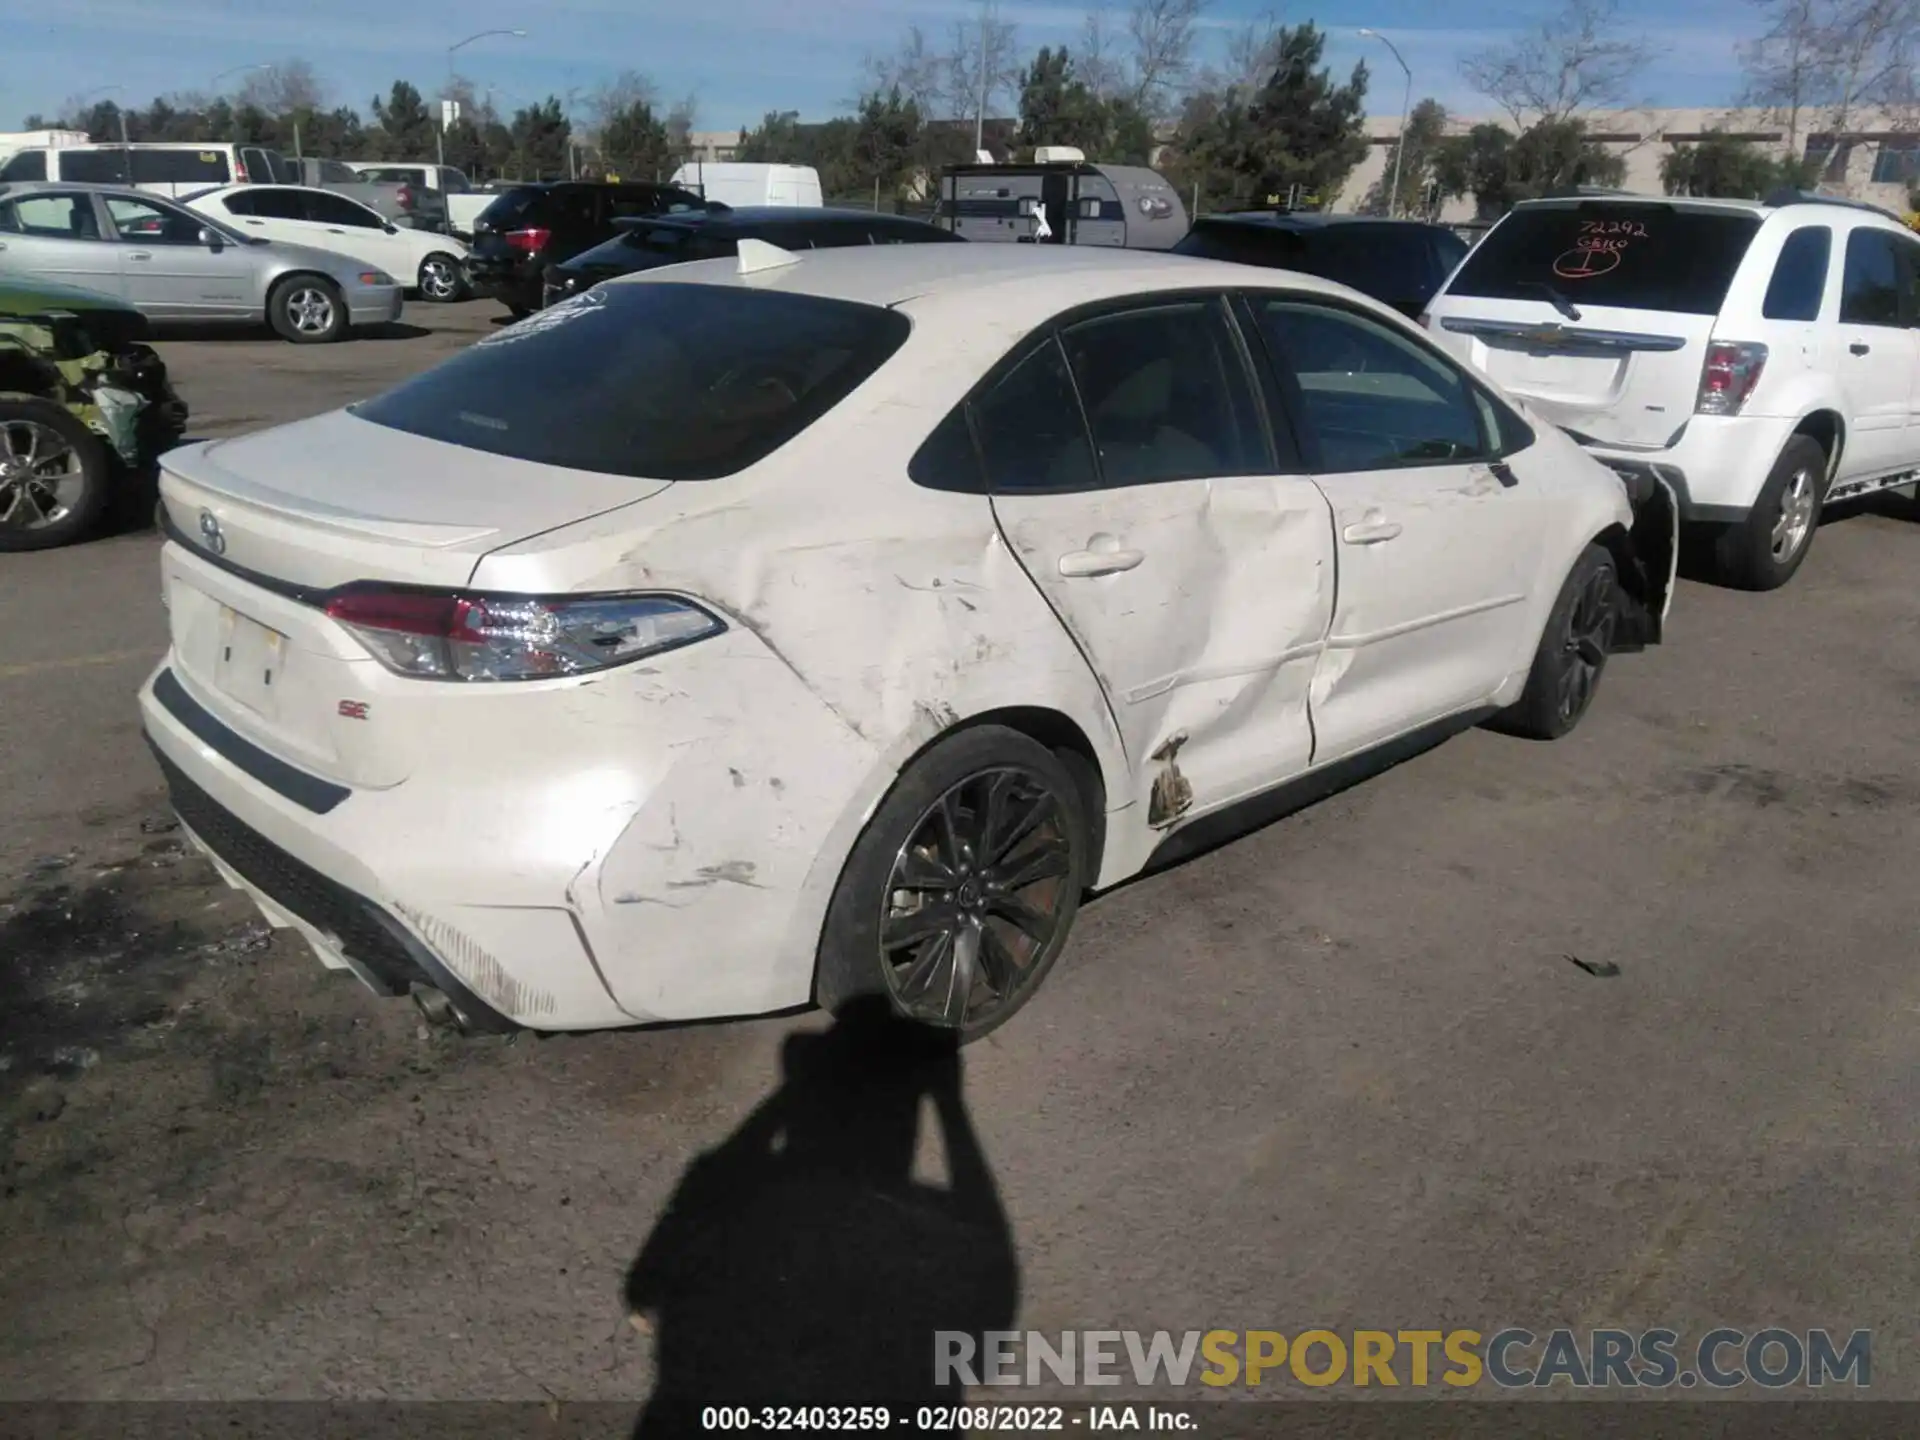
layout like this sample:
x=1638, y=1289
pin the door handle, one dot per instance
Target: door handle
x=335, y=230
x=1079, y=564
x=1371, y=530
x=140, y=255
x=257, y=224
x=1857, y=348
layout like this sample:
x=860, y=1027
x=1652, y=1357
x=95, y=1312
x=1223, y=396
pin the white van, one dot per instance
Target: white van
x=167, y=168
x=738, y=184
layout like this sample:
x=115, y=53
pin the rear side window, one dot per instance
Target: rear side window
x=1029, y=428
x=27, y=165
x=1870, y=291
x=1636, y=257
x=180, y=167
x=1799, y=276
x=670, y=382
x=94, y=167
x=1166, y=395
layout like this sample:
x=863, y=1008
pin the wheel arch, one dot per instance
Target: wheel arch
x=1827, y=429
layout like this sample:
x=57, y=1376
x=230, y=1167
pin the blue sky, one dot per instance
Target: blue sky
x=740, y=58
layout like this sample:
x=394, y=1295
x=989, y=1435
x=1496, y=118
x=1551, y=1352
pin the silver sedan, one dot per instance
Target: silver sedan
x=174, y=264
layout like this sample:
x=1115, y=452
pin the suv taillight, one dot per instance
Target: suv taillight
x=1728, y=377
x=404, y=196
x=530, y=241
x=240, y=172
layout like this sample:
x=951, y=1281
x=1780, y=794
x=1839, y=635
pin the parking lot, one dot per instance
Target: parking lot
x=1623, y=1030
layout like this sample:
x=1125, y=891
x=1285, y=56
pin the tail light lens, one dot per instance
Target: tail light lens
x=1728, y=377
x=441, y=635
x=404, y=197
x=530, y=241
x=240, y=172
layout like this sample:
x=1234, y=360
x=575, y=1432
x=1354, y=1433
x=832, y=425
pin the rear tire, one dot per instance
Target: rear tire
x=519, y=312
x=1763, y=551
x=56, y=476
x=1572, y=655
x=307, y=310
x=959, y=895
x=441, y=280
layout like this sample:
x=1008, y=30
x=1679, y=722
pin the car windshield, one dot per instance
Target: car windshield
x=670, y=382
x=1638, y=257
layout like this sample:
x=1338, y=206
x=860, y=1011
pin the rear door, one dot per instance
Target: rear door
x=349, y=228
x=58, y=237
x=1878, y=353
x=1597, y=312
x=1193, y=569
x=1437, y=539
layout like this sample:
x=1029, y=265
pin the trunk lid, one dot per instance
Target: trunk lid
x=1598, y=312
x=336, y=498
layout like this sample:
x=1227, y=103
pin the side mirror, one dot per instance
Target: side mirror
x=391, y=228
x=211, y=238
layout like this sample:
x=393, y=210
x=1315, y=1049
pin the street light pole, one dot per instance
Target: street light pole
x=440, y=127
x=1406, y=103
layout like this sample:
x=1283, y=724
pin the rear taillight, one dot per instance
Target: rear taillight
x=434, y=635
x=1728, y=377
x=529, y=242
x=404, y=197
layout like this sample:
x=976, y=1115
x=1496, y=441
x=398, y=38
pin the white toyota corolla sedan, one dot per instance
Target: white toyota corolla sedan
x=779, y=630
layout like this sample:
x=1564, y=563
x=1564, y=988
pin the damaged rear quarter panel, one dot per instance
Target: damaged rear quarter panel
x=867, y=616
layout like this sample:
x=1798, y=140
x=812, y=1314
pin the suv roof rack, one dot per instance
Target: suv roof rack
x=1790, y=196
x=1575, y=192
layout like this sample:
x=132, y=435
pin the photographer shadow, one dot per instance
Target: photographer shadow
x=802, y=1262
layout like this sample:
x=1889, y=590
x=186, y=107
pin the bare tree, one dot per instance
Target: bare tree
x=680, y=121
x=982, y=65
x=1577, y=61
x=917, y=68
x=289, y=86
x=1162, y=32
x=1864, y=51
x=1785, y=66
x=1095, y=63
x=1252, y=55
x=614, y=97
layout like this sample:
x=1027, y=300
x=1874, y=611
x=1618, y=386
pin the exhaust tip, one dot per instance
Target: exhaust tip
x=437, y=1010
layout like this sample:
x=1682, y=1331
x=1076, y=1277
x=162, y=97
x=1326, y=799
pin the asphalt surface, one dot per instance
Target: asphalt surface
x=1623, y=1030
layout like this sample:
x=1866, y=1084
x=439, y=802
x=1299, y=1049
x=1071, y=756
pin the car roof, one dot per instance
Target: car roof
x=91, y=187
x=724, y=217
x=1036, y=280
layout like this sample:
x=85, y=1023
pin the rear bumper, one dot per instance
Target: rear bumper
x=1716, y=469
x=377, y=305
x=509, y=283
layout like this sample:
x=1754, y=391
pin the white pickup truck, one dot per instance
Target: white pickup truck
x=1761, y=359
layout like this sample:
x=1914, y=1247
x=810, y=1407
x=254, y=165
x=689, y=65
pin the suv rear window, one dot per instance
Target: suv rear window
x=669, y=382
x=508, y=209
x=1637, y=257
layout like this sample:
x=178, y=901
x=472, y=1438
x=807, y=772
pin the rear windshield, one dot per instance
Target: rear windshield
x=1385, y=261
x=670, y=382
x=1640, y=257
x=507, y=209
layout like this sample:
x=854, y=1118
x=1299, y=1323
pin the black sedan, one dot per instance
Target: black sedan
x=1400, y=262
x=713, y=234
x=536, y=225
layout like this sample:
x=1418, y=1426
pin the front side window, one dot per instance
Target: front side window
x=142, y=223
x=670, y=382
x=1871, y=287
x=1799, y=280
x=1166, y=395
x=1372, y=398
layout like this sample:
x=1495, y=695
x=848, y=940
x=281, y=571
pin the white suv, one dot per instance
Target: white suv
x=1760, y=359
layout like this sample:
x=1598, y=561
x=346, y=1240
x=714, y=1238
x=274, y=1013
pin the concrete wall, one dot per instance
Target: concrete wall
x=1643, y=138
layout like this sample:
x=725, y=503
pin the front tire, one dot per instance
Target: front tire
x=441, y=280
x=1572, y=655
x=55, y=476
x=1763, y=551
x=307, y=310
x=959, y=894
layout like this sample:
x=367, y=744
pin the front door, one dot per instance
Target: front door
x=169, y=272
x=1133, y=477
x=1876, y=354
x=57, y=237
x=347, y=227
x=1438, y=539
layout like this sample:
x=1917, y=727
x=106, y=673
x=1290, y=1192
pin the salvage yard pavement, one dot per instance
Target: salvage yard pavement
x=1623, y=1030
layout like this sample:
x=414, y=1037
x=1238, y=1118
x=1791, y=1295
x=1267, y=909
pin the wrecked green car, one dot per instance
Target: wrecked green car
x=85, y=410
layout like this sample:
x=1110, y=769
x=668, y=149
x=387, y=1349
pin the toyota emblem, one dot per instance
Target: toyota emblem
x=210, y=533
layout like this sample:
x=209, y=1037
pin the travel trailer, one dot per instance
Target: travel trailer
x=1059, y=198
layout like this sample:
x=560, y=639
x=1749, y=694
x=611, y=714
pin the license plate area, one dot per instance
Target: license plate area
x=249, y=661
